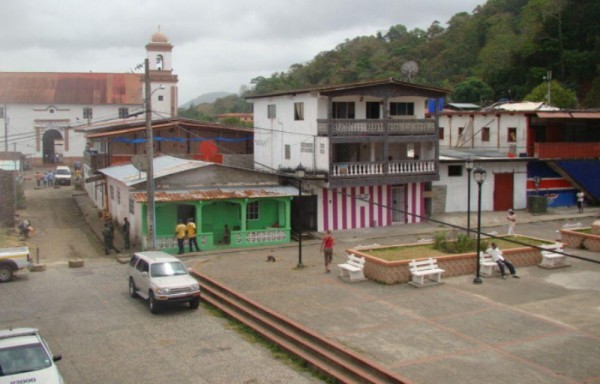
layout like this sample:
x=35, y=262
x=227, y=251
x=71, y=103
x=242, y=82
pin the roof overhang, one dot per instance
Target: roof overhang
x=218, y=194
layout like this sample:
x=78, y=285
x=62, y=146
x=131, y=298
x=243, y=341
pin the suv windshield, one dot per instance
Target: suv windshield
x=171, y=268
x=63, y=172
x=23, y=358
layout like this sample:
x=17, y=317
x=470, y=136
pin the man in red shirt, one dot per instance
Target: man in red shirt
x=327, y=249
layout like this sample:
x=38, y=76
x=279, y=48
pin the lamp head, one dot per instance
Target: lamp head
x=300, y=171
x=469, y=164
x=479, y=175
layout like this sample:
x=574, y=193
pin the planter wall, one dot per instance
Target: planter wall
x=575, y=239
x=395, y=272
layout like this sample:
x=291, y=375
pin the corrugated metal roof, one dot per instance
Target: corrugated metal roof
x=525, y=106
x=218, y=194
x=70, y=88
x=586, y=115
x=163, y=166
x=554, y=115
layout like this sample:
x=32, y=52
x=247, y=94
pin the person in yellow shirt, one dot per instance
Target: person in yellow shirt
x=191, y=234
x=180, y=230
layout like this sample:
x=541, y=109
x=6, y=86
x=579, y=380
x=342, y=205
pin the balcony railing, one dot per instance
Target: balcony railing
x=408, y=167
x=352, y=127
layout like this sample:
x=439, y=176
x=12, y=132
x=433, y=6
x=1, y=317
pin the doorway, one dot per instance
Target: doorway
x=49, y=148
x=503, y=191
x=399, y=204
x=373, y=108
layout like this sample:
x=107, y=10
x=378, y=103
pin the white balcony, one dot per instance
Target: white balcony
x=395, y=168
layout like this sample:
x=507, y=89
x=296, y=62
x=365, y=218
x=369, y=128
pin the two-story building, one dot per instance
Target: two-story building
x=369, y=152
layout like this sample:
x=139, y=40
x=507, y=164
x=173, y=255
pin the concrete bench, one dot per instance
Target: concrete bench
x=487, y=265
x=425, y=271
x=551, y=259
x=352, y=269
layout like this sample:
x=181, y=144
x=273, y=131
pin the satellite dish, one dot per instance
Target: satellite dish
x=409, y=69
x=140, y=162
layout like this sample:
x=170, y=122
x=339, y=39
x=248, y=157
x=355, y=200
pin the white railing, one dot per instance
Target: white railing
x=378, y=168
x=349, y=127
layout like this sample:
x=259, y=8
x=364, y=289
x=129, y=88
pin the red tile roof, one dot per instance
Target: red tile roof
x=70, y=88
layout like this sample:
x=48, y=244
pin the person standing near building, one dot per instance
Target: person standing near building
x=192, y=236
x=327, y=249
x=497, y=256
x=580, y=196
x=180, y=230
x=511, y=217
x=38, y=179
x=125, y=232
x=109, y=238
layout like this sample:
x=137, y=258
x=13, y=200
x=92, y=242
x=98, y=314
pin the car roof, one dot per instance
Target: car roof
x=157, y=256
x=18, y=336
x=63, y=167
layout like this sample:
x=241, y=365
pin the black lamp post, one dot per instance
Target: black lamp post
x=469, y=168
x=479, y=176
x=300, y=171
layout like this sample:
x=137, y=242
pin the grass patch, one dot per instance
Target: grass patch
x=585, y=231
x=419, y=251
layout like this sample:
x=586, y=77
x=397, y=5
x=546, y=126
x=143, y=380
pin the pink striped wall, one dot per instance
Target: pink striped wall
x=344, y=208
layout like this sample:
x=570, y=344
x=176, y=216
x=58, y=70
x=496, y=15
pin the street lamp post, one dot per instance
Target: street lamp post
x=300, y=171
x=479, y=176
x=469, y=167
x=149, y=158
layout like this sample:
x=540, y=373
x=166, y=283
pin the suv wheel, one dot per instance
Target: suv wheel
x=152, y=305
x=194, y=303
x=6, y=273
x=132, y=288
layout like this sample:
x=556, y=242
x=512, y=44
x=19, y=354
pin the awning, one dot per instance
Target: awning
x=554, y=115
x=586, y=115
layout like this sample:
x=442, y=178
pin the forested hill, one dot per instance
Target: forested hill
x=503, y=49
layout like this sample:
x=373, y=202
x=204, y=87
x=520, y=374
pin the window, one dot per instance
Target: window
x=485, y=134
x=402, y=109
x=287, y=150
x=131, y=206
x=441, y=133
x=161, y=97
x=159, y=62
x=271, y=111
x=112, y=192
x=1, y=112
x=460, y=131
x=298, y=111
x=342, y=110
x=123, y=113
x=252, y=211
x=88, y=113
x=118, y=196
x=455, y=170
x=322, y=148
x=306, y=147
x=512, y=135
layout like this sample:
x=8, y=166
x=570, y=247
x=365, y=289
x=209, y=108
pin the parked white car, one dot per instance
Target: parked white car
x=12, y=260
x=161, y=279
x=62, y=175
x=26, y=358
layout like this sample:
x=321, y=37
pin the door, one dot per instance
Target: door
x=373, y=110
x=398, y=204
x=503, y=191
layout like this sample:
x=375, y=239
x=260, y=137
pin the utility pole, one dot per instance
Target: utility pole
x=150, y=159
x=5, y=117
x=549, y=80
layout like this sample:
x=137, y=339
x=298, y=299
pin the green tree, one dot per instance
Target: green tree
x=472, y=90
x=560, y=96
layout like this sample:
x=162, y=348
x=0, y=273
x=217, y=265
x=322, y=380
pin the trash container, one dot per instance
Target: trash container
x=537, y=204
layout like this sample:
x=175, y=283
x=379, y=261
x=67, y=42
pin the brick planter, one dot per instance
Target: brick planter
x=395, y=272
x=576, y=239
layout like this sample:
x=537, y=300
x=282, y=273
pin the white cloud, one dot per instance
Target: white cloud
x=218, y=46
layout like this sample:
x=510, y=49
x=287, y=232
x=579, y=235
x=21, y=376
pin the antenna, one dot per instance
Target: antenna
x=409, y=69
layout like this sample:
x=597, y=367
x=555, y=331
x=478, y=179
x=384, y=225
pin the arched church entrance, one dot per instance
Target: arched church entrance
x=53, y=144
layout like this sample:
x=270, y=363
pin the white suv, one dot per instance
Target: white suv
x=62, y=175
x=161, y=279
x=26, y=358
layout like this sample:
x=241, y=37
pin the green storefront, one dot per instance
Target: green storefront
x=225, y=218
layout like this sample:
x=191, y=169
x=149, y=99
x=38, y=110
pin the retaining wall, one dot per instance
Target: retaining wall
x=575, y=239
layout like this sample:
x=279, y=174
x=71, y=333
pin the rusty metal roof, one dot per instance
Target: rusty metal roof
x=70, y=88
x=218, y=194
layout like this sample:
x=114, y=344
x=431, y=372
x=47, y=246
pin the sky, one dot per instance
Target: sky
x=219, y=46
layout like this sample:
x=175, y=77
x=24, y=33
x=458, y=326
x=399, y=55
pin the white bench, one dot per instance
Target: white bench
x=551, y=259
x=352, y=269
x=487, y=265
x=422, y=269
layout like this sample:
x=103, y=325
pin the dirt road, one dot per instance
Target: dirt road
x=60, y=233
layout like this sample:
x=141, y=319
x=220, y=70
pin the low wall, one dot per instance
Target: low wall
x=576, y=239
x=395, y=272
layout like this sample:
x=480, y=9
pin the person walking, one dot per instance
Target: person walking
x=327, y=249
x=580, y=196
x=497, y=256
x=109, y=238
x=50, y=179
x=38, y=179
x=180, y=230
x=191, y=234
x=125, y=232
x=511, y=217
